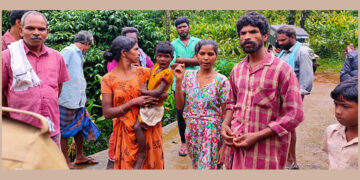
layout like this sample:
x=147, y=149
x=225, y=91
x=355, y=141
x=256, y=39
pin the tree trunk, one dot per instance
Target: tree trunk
x=168, y=24
x=303, y=17
x=291, y=17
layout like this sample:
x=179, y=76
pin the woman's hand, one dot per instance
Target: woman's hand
x=179, y=72
x=227, y=134
x=145, y=101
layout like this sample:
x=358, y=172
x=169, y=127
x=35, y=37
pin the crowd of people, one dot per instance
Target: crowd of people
x=246, y=121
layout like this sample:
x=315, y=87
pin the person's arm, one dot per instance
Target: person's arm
x=155, y=92
x=60, y=87
x=5, y=80
x=112, y=112
x=179, y=93
x=306, y=73
x=249, y=139
x=226, y=132
x=188, y=61
x=291, y=112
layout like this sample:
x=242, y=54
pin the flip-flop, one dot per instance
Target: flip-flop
x=292, y=167
x=89, y=161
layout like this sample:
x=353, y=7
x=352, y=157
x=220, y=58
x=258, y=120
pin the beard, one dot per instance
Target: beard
x=255, y=47
x=183, y=34
x=287, y=46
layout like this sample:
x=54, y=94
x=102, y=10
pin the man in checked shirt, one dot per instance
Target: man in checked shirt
x=264, y=103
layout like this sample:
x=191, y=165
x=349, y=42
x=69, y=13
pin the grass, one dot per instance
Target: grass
x=330, y=65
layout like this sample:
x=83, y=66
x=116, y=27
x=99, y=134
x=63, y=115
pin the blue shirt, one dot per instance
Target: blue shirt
x=73, y=95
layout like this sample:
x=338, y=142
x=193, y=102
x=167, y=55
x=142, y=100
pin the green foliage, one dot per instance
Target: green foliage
x=5, y=20
x=169, y=109
x=331, y=31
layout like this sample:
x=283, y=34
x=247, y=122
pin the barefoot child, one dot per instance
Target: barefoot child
x=341, y=140
x=161, y=78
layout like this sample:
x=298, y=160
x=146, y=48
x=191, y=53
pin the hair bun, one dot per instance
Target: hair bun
x=108, y=56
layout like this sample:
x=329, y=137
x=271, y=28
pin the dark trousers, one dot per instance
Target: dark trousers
x=181, y=124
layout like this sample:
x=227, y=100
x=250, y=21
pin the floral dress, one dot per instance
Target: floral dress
x=203, y=116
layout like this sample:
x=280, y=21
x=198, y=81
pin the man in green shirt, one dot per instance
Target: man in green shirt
x=184, y=54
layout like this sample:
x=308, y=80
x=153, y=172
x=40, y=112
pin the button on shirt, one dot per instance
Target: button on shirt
x=7, y=38
x=267, y=96
x=43, y=99
x=180, y=50
x=73, y=94
x=342, y=154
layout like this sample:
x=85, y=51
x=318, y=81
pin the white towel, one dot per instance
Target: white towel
x=24, y=76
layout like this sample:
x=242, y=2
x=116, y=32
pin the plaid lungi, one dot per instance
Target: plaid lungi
x=74, y=120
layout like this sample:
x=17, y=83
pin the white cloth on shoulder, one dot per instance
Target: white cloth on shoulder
x=24, y=76
x=151, y=115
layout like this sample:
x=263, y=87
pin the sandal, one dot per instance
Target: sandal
x=89, y=161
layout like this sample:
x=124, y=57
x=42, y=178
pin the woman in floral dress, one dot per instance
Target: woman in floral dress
x=203, y=94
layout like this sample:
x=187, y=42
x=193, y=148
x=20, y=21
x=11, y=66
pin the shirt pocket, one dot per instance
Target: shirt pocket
x=265, y=97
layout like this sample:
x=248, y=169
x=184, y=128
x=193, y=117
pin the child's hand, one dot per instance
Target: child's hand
x=179, y=72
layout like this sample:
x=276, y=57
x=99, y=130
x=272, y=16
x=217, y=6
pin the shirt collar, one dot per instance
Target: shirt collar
x=267, y=61
x=341, y=129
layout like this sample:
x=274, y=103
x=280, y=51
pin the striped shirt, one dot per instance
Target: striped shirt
x=267, y=96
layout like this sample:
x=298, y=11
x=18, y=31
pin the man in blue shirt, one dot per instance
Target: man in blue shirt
x=184, y=53
x=74, y=119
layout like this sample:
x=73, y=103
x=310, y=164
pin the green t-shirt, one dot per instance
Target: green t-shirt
x=184, y=52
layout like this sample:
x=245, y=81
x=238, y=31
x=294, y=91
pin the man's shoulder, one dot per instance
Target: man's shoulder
x=52, y=51
x=353, y=55
x=334, y=128
x=175, y=41
x=195, y=38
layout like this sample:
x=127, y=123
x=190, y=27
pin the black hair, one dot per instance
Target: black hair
x=206, y=42
x=253, y=19
x=165, y=47
x=118, y=44
x=180, y=20
x=347, y=89
x=287, y=30
x=126, y=30
x=16, y=14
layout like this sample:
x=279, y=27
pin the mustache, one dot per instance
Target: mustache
x=248, y=42
x=35, y=38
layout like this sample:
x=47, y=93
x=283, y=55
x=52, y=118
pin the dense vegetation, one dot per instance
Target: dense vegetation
x=330, y=33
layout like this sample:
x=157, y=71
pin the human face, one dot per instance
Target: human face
x=206, y=57
x=86, y=48
x=284, y=41
x=34, y=31
x=132, y=35
x=133, y=55
x=346, y=112
x=251, y=39
x=163, y=59
x=183, y=30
